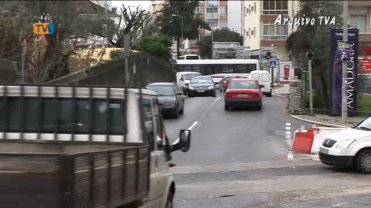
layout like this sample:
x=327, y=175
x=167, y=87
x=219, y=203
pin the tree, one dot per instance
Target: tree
x=219, y=35
x=47, y=55
x=171, y=25
x=317, y=38
x=155, y=45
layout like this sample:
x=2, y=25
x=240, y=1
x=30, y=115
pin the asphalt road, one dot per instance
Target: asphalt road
x=240, y=158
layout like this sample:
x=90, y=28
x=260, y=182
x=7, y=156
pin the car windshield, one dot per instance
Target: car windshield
x=202, y=81
x=243, y=85
x=364, y=125
x=162, y=90
x=190, y=76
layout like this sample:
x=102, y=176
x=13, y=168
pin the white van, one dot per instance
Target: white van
x=350, y=147
x=183, y=79
x=263, y=78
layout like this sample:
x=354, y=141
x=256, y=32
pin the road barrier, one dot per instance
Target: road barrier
x=308, y=140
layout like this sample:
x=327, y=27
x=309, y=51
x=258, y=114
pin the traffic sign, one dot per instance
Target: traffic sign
x=272, y=64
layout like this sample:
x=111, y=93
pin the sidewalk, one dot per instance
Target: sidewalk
x=326, y=120
x=279, y=91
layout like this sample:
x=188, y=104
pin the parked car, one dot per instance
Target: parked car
x=202, y=85
x=183, y=79
x=243, y=92
x=170, y=98
x=264, y=79
x=350, y=147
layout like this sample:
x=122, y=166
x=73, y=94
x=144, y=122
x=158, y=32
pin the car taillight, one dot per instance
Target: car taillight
x=255, y=95
x=271, y=85
x=228, y=95
x=224, y=82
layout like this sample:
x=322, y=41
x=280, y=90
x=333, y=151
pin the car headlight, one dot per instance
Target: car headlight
x=210, y=88
x=344, y=143
x=190, y=87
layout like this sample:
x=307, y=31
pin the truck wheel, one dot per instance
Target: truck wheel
x=269, y=94
x=169, y=202
x=363, y=162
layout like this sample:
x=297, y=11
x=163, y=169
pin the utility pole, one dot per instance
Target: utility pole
x=212, y=45
x=269, y=56
x=344, y=106
x=127, y=40
x=23, y=59
x=310, y=57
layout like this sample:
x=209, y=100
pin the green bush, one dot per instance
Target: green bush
x=319, y=101
x=364, y=103
x=155, y=45
x=116, y=54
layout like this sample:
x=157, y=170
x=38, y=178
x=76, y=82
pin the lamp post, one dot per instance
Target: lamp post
x=344, y=106
x=174, y=15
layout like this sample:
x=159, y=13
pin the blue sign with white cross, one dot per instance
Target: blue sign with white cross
x=272, y=64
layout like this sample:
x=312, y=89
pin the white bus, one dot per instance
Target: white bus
x=218, y=68
x=189, y=57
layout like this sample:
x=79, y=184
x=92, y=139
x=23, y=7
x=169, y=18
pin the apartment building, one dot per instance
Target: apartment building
x=258, y=28
x=360, y=17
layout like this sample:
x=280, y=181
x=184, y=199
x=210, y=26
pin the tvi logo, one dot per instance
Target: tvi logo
x=43, y=28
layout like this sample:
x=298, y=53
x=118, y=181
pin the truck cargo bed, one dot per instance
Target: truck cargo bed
x=68, y=174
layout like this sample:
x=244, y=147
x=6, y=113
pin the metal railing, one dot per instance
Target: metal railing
x=212, y=16
x=274, y=37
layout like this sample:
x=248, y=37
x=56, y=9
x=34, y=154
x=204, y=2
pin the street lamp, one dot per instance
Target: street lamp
x=174, y=15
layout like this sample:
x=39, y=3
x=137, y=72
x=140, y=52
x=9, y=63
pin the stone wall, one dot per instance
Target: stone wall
x=294, y=102
x=143, y=69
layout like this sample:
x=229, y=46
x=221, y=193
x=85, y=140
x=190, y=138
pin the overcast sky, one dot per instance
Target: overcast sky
x=144, y=4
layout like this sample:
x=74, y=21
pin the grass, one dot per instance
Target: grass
x=364, y=103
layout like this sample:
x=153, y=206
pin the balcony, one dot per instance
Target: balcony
x=212, y=16
x=274, y=37
x=364, y=30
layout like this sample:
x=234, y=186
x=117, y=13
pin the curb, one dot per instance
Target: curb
x=317, y=122
x=279, y=95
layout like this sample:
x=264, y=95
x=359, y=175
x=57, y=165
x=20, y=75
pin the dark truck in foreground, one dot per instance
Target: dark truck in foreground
x=81, y=147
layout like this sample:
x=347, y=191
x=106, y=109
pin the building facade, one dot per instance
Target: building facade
x=258, y=28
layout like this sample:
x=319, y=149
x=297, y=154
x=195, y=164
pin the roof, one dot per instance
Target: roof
x=243, y=79
x=188, y=73
x=217, y=61
x=161, y=83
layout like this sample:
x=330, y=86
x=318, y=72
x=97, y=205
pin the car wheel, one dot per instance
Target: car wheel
x=176, y=114
x=190, y=95
x=363, y=161
x=269, y=94
x=182, y=110
x=226, y=107
x=214, y=94
x=169, y=202
x=221, y=90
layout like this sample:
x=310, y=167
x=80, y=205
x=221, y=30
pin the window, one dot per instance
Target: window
x=256, y=76
x=63, y=116
x=275, y=7
x=200, y=10
x=148, y=123
x=223, y=10
x=223, y=23
x=213, y=23
x=359, y=21
x=265, y=77
x=159, y=125
x=255, y=32
x=274, y=32
x=212, y=10
x=252, y=33
x=243, y=85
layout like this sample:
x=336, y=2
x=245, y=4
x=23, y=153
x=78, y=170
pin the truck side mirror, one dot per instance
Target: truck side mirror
x=184, y=142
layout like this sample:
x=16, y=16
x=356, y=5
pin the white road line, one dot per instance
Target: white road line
x=290, y=156
x=190, y=128
x=218, y=98
x=193, y=125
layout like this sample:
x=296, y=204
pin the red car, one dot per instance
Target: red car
x=243, y=92
x=225, y=82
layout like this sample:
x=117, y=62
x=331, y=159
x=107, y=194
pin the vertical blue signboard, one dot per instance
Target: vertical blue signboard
x=336, y=72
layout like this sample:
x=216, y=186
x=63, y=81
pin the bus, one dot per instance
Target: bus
x=189, y=57
x=218, y=68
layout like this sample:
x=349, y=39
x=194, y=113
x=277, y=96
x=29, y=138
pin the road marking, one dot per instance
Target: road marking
x=218, y=98
x=290, y=156
x=190, y=128
x=193, y=125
